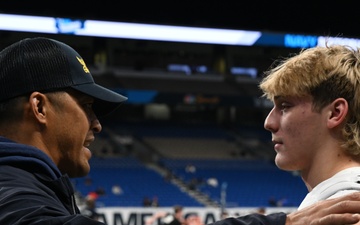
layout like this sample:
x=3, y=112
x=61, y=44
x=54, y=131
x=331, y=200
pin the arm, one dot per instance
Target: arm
x=338, y=211
x=255, y=219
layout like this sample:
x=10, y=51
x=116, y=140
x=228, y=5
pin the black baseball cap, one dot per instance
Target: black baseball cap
x=44, y=64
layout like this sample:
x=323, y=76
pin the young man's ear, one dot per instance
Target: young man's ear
x=339, y=109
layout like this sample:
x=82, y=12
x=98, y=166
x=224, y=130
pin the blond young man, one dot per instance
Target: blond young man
x=315, y=120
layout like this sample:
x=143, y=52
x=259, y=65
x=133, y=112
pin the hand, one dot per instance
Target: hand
x=337, y=211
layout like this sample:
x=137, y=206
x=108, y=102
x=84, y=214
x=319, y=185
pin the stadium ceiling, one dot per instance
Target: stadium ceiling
x=168, y=59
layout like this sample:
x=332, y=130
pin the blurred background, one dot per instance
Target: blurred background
x=192, y=131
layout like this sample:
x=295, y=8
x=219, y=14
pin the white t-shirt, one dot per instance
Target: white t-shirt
x=342, y=183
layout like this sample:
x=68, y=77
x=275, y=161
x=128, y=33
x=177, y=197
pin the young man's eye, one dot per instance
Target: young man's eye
x=281, y=106
x=284, y=106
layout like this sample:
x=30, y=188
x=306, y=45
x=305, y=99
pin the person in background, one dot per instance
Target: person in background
x=175, y=218
x=224, y=214
x=155, y=201
x=49, y=115
x=156, y=217
x=89, y=209
x=315, y=121
x=261, y=210
x=193, y=219
x=146, y=202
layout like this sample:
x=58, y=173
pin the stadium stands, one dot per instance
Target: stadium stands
x=248, y=182
x=135, y=180
x=162, y=171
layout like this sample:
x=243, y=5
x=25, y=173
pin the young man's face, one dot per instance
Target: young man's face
x=298, y=132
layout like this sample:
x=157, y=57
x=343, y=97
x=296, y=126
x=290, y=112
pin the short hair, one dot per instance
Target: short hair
x=178, y=208
x=325, y=73
x=10, y=110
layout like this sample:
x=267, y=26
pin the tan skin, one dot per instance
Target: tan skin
x=63, y=130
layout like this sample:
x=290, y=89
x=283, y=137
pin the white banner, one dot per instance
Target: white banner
x=138, y=215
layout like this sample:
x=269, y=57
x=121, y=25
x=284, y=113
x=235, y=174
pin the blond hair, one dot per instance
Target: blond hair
x=325, y=73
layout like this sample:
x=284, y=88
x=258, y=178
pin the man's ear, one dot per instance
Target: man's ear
x=339, y=109
x=38, y=103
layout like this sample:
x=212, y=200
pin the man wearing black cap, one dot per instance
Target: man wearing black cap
x=49, y=109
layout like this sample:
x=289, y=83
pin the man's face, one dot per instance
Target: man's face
x=74, y=125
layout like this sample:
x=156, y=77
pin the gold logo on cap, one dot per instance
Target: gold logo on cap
x=82, y=62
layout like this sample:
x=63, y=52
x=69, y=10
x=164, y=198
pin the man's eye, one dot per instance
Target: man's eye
x=88, y=105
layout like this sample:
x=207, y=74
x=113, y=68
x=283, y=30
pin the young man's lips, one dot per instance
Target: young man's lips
x=277, y=144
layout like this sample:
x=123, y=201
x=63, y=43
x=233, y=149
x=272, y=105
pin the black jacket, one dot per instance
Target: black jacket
x=33, y=191
x=254, y=219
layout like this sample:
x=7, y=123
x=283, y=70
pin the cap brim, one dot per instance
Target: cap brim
x=106, y=101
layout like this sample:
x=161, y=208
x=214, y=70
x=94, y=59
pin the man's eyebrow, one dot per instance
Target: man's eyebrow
x=85, y=98
x=80, y=96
